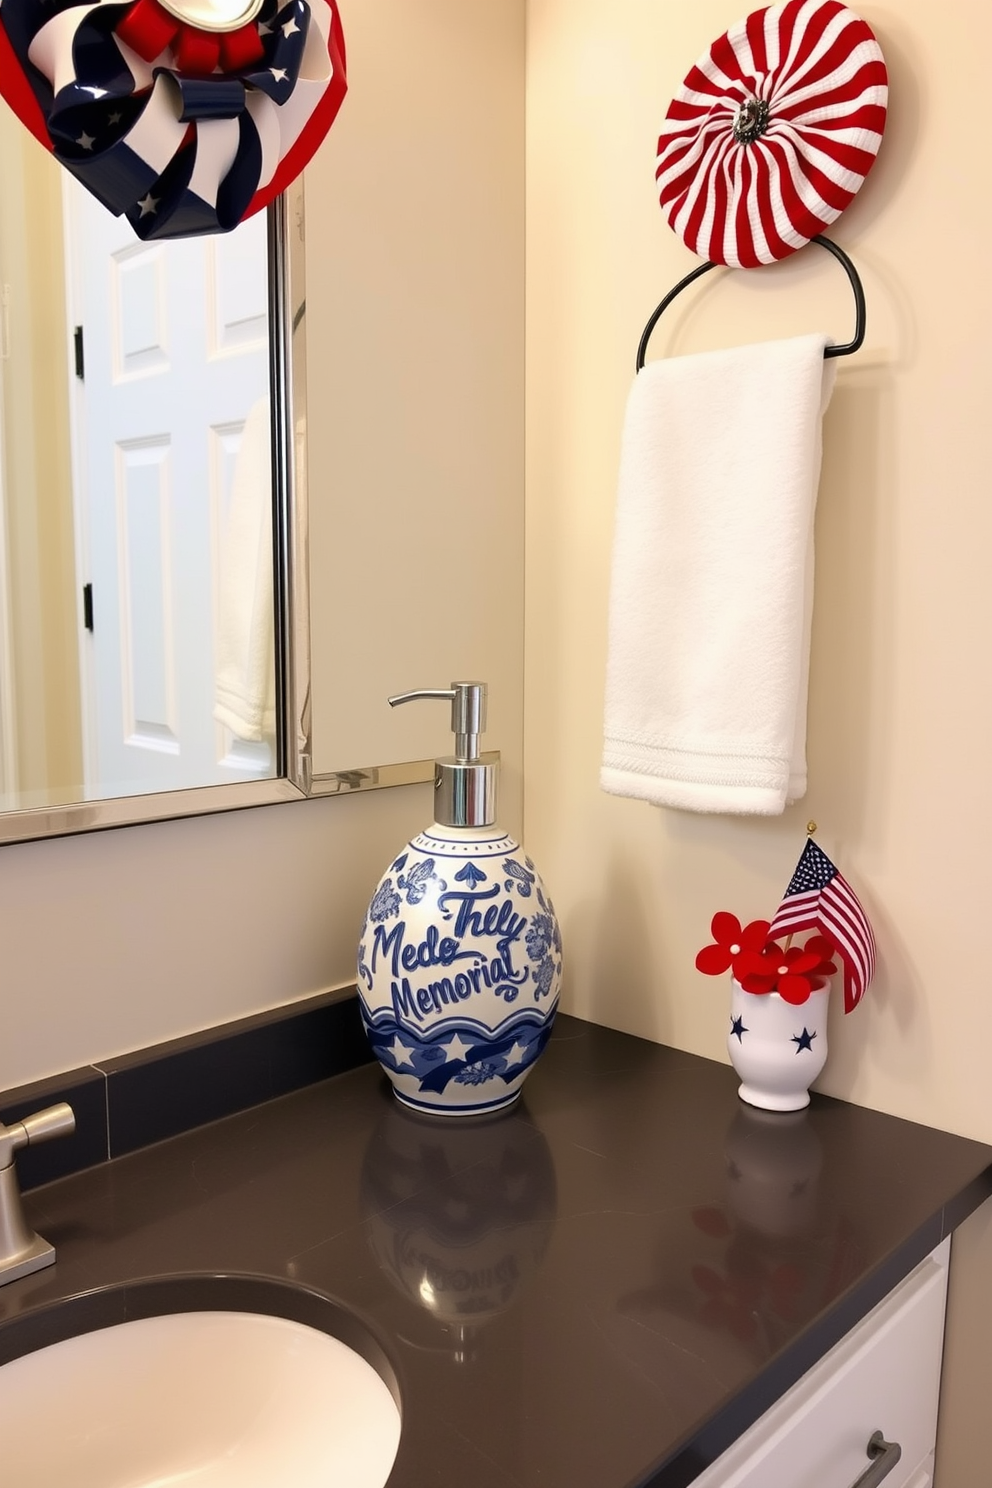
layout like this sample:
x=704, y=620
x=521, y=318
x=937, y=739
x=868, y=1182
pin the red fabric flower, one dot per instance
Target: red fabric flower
x=758, y=972
x=795, y=969
x=735, y=947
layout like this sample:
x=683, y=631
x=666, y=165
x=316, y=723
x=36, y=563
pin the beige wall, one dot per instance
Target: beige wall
x=900, y=706
x=37, y=479
x=416, y=415
x=119, y=939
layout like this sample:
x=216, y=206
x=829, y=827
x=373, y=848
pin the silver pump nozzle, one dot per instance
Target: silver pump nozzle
x=468, y=713
x=464, y=784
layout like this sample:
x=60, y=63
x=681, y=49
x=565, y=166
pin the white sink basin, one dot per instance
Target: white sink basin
x=198, y=1399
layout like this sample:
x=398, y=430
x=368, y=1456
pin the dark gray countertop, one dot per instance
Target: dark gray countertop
x=603, y=1287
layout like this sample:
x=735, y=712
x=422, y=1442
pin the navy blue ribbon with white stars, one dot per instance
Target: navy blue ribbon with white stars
x=432, y=1058
x=178, y=155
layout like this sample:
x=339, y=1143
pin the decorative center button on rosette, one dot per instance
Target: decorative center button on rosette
x=772, y=132
x=750, y=121
x=213, y=15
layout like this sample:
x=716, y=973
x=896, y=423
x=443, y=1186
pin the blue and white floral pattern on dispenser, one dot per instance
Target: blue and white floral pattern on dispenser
x=459, y=970
x=459, y=964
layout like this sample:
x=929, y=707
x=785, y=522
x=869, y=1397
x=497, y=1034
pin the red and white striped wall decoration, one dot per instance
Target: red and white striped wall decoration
x=773, y=132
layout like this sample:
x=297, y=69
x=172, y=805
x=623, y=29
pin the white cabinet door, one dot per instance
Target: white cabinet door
x=884, y=1376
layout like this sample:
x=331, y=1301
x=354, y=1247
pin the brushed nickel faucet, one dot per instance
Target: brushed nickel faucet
x=21, y=1250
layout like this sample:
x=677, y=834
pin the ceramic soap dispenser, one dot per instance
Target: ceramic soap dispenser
x=460, y=957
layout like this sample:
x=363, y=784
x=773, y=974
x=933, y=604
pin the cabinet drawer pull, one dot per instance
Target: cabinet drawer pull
x=885, y=1455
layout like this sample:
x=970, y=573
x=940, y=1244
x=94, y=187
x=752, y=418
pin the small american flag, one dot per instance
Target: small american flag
x=819, y=898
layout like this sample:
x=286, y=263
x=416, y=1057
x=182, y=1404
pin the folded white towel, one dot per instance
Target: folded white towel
x=712, y=588
x=244, y=667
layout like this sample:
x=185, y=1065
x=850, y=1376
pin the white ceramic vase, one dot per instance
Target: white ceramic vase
x=778, y=1049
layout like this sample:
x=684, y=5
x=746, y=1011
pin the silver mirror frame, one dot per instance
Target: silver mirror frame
x=294, y=779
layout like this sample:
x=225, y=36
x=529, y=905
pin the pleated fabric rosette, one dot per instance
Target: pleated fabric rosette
x=186, y=116
x=773, y=132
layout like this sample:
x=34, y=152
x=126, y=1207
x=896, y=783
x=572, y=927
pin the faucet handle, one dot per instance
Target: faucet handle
x=53, y=1121
x=21, y=1250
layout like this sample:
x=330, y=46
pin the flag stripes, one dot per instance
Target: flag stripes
x=820, y=898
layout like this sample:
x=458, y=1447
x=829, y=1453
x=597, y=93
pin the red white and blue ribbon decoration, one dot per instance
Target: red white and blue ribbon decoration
x=773, y=132
x=182, y=117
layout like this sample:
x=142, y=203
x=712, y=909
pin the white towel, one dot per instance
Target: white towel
x=712, y=588
x=244, y=669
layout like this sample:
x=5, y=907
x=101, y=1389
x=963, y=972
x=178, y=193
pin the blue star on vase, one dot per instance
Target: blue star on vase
x=737, y=1026
x=803, y=1040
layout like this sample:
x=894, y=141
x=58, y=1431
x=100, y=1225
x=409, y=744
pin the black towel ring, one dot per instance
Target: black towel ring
x=830, y=351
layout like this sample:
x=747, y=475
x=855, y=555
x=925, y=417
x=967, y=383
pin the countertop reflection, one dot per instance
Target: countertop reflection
x=459, y=1217
x=604, y=1286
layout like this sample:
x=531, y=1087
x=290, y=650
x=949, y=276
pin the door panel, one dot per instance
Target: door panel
x=175, y=357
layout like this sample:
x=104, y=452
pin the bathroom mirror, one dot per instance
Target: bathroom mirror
x=154, y=635
x=148, y=512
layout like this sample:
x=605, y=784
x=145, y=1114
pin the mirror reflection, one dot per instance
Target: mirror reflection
x=136, y=568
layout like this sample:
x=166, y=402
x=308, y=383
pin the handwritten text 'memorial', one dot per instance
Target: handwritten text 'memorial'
x=475, y=916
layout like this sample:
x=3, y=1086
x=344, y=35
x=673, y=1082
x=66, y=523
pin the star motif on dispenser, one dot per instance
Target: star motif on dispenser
x=737, y=1027
x=401, y=1052
x=86, y=141
x=290, y=28
x=148, y=204
x=454, y=1048
x=516, y=1055
x=804, y=1040
x=279, y=74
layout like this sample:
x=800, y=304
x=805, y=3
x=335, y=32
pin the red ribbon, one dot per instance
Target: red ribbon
x=148, y=28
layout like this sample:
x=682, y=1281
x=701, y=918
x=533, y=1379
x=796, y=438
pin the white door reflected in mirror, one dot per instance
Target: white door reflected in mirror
x=136, y=567
x=172, y=501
